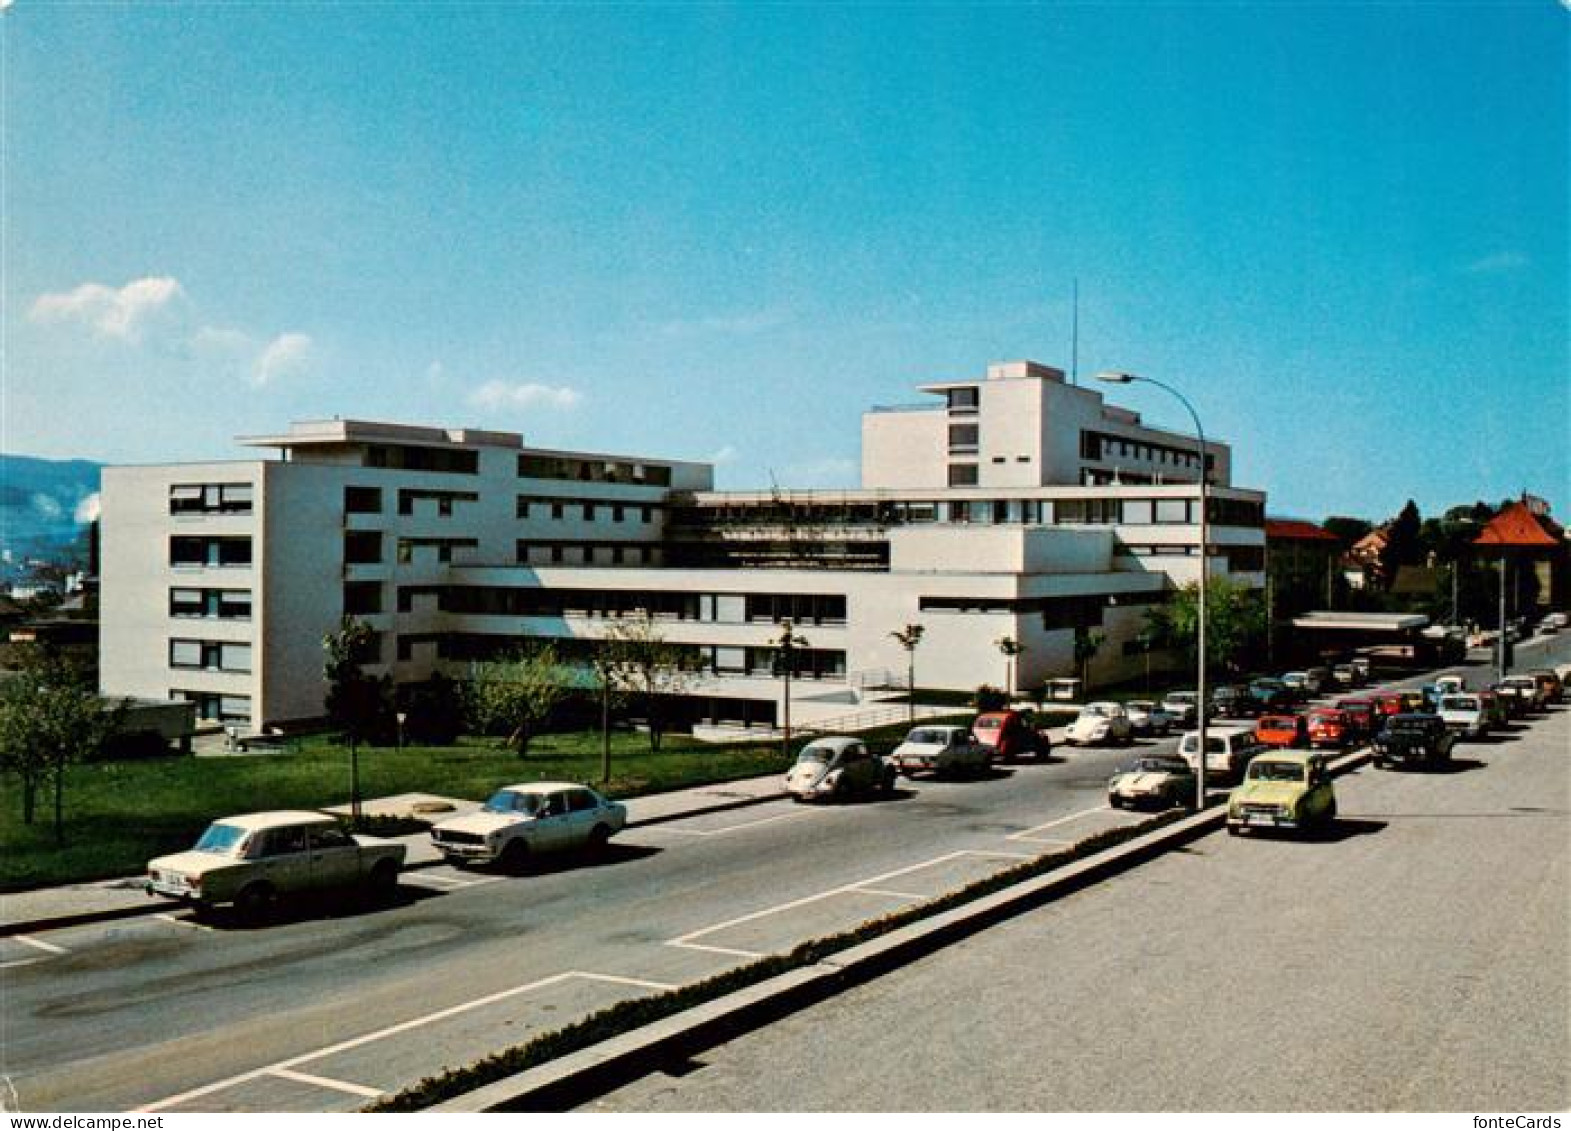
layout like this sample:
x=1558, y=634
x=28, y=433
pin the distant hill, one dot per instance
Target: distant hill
x=40, y=501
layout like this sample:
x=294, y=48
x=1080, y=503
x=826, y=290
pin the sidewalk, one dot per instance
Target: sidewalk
x=46, y=909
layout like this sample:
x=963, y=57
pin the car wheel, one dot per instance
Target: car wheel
x=1234, y=830
x=256, y=903
x=515, y=856
x=383, y=881
x=1116, y=802
x=599, y=839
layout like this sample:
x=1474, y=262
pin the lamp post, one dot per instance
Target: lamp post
x=1201, y=705
x=1010, y=648
x=909, y=637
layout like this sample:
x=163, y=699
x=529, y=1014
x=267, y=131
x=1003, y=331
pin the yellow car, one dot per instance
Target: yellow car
x=1286, y=789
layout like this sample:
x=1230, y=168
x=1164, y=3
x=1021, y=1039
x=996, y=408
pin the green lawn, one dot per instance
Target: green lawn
x=120, y=814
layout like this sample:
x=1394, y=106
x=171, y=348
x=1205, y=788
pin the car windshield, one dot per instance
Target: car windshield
x=1181, y=697
x=816, y=755
x=987, y=724
x=1278, y=722
x=511, y=801
x=1323, y=717
x=221, y=840
x=1265, y=770
x=928, y=737
x=1157, y=766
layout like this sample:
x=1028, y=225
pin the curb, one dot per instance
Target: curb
x=82, y=918
x=565, y=1082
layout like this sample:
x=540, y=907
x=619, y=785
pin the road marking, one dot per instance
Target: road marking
x=729, y=828
x=447, y=883
x=867, y=886
x=323, y=1082
x=618, y=980
x=1026, y=833
x=21, y=962
x=730, y=951
x=47, y=948
x=391, y=1031
x=180, y=922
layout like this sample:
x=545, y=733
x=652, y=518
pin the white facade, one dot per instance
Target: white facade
x=220, y=580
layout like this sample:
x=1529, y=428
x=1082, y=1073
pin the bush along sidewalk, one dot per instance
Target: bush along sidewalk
x=626, y=1016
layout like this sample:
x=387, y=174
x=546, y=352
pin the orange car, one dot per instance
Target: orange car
x=1329, y=727
x=1281, y=731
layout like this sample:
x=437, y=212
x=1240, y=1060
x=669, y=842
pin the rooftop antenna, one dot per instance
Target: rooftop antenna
x=1074, y=337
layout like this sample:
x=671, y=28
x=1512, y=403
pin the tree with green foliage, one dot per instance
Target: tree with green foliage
x=648, y=670
x=1235, y=622
x=1087, y=644
x=359, y=705
x=517, y=695
x=50, y=718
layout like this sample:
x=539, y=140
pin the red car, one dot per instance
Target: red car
x=1011, y=735
x=1330, y=728
x=1281, y=731
x=1361, y=715
x=1389, y=703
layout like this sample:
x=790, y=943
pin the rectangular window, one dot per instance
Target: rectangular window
x=646, y=515
x=616, y=513
x=1138, y=512
x=362, y=500
x=362, y=598
x=963, y=400
x=235, y=657
x=362, y=547
x=589, y=512
x=1172, y=510
x=185, y=653
x=557, y=510
x=522, y=508
x=963, y=475
x=210, y=498
x=187, y=603
x=963, y=437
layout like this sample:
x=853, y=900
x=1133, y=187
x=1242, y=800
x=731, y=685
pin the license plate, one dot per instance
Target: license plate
x=1259, y=819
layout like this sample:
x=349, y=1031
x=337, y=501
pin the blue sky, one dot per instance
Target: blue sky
x=723, y=232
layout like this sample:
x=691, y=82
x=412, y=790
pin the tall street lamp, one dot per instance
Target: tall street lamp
x=1201, y=705
x=787, y=644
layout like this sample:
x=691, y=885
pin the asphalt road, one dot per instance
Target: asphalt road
x=342, y=1003
x=1416, y=959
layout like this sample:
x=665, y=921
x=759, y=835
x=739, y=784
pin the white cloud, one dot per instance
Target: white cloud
x=88, y=509
x=726, y=454
x=110, y=312
x=500, y=395
x=1497, y=263
x=284, y=356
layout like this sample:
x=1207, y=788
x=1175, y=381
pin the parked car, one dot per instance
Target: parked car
x=940, y=751
x=838, y=767
x=1413, y=740
x=1148, y=718
x=1100, y=723
x=256, y=859
x=1464, y=715
x=1272, y=694
x=1283, y=790
x=1363, y=714
x=1494, y=710
x=1346, y=675
x=1362, y=666
x=1297, y=681
x=1549, y=683
x=1011, y=736
x=1555, y=622
x=1163, y=781
x=1319, y=679
x=1181, y=705
x=1526, y=688
x=1228, y=750
x=1451, y=685
x=518, y=822
x=1282, y=731
x=1232, y=702
x=1388, y=703
x=1511, y=700
x=1330, y=728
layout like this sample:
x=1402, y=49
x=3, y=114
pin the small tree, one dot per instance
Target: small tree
x=989, y=698
x=648, y=670
x=1009, y=647
x=1235, y=622
x=517, y=695
x=909, y=637
x=358, y=704
x=49, y=719
x=609, y=677
x=1087, y=644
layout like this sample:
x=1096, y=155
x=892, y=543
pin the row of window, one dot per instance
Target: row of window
x=540, y=505
x=211, y=498
x=535, y=552
x=214, y=707
x=592, y=470
x=211, y=604
x=763, y=663
x=210, y=655
x=1084, y=610
x=414, y=457
x=1104, y=446
x=192, y=551
x=711, y=608
x=368, y=500
x=364, y=547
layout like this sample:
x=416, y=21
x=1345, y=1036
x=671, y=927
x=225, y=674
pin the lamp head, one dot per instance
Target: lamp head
x=1116, y=377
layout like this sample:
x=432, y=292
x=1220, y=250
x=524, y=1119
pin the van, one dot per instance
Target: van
x=1228, y=750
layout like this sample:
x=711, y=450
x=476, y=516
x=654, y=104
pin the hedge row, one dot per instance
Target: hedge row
x=626, y=1016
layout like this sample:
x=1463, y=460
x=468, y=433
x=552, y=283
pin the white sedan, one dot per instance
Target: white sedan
x=1148, y=717
x=520, y=821
x=941, y=750
x=1100, y=723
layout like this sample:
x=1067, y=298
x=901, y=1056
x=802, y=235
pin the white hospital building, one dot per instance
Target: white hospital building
x=1011, y=505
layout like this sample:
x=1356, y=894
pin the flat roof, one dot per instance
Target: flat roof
x=1377, y=622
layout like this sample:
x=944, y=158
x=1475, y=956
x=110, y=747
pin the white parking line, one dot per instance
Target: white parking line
x=1026, y=833
x=729, y=828
x=21, y=962
x=447, y=883
x=47, y=948
x=323, y=1082
x=283, y=1066
x=886, y=891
